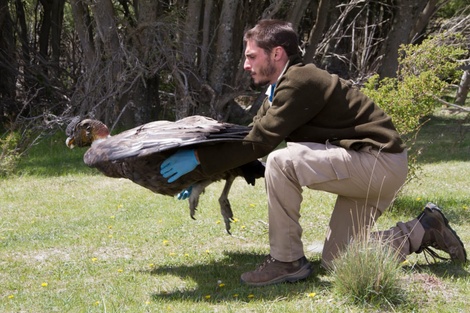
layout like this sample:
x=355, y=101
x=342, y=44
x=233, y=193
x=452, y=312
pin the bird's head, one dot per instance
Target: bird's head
x=84, y=133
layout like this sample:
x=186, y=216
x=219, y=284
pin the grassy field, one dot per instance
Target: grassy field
x=72, y=240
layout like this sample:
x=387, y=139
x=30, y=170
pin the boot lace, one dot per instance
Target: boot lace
x=269, y=260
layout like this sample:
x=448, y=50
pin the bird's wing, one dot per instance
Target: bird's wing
x=159, y=136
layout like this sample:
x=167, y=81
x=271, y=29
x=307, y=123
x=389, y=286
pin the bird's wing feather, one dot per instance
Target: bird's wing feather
x=159, y=136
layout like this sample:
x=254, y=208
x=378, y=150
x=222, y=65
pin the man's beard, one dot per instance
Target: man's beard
x=266, y=72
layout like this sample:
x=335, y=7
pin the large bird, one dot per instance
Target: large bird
x=137, y=154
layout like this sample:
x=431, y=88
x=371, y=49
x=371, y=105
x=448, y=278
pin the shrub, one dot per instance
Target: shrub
x=9, y=154
x=369, y=272
x=424, y=75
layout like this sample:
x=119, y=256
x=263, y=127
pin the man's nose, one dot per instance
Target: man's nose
x=246, y=65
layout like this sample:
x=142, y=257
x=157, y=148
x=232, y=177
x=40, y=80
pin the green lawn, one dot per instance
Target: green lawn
x=72, y=240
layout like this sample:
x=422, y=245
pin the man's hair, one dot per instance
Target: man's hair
x=269, y=34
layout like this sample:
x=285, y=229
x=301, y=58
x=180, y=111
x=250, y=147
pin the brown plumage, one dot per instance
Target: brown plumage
x=137, y=154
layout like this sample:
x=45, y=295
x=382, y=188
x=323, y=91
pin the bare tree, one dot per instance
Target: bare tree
x=405, y=15
x=134, y=61
x=464, y=87
x=317, y=29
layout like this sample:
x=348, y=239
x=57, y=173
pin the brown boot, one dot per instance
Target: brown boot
x=273, y=271
x=438, y=234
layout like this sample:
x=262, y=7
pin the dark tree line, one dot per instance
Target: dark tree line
x=129, y=62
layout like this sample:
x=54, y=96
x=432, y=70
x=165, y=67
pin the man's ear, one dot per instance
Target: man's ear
x=278, y=53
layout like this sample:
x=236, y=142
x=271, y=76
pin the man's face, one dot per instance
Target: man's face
x=259, y=64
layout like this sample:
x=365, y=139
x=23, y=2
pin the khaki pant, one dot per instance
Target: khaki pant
x=366, y=182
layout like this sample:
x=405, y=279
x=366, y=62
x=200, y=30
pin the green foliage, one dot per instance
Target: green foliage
x=451, y=8
x=424, y=74
x=425, y=71
x=9, y=154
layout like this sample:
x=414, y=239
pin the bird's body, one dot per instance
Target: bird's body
x=137, y=154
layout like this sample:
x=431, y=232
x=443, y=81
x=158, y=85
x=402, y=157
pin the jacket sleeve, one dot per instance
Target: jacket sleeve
x=291, y=108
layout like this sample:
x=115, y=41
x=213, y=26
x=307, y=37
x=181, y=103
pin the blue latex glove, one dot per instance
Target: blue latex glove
x=180, y=163
x=185, y=193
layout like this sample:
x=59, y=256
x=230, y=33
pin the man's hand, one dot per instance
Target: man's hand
x=180, y=163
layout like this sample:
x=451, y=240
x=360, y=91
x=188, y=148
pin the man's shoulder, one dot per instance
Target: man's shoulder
x=307, y=74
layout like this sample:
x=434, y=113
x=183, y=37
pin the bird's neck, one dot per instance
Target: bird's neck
x=99, y=139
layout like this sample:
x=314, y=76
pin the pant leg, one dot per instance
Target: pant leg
x=374, y=181
x=350, y=174
x=287, y=170
x=351, y=218
x=284, y=199
x=406, y=238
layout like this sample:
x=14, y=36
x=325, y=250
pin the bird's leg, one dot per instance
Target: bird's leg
x=225, y=207
x=193, y=199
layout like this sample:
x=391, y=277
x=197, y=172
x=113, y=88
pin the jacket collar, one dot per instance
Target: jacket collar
x=293, y=59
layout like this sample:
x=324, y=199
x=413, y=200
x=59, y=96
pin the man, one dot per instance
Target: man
x=338, y=141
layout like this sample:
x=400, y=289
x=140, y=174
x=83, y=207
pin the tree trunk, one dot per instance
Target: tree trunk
x=464, y=87
x=8, y=65
x=82, y=21
x=145, y=96
x=405, y=16
x=106, y=28
x=206, y=38
x=429, y=9
x=317, y=30
x=57, y=16
x=44, y=31
x=223, y=55
x=298, y=11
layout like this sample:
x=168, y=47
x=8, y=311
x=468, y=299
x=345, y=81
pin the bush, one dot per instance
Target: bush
x=424, y=75
x=369, y=272
x=9, y=154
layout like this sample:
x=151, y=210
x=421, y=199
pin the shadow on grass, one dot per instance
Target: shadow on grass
x=443, y=139
x=443, y=269
x=206, y=277
x=455, y=210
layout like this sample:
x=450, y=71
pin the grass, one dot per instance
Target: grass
x=369, y=272
x=72, y=240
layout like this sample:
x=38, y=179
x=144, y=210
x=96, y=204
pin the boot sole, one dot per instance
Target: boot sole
x=433, y=207
x=301, y=274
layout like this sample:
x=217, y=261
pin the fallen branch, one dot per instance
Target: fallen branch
x=461, y=108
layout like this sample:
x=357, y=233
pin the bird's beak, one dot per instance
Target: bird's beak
x=70, y=142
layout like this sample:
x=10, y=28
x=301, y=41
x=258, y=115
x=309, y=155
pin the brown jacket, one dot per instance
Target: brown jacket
x=309, y=105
